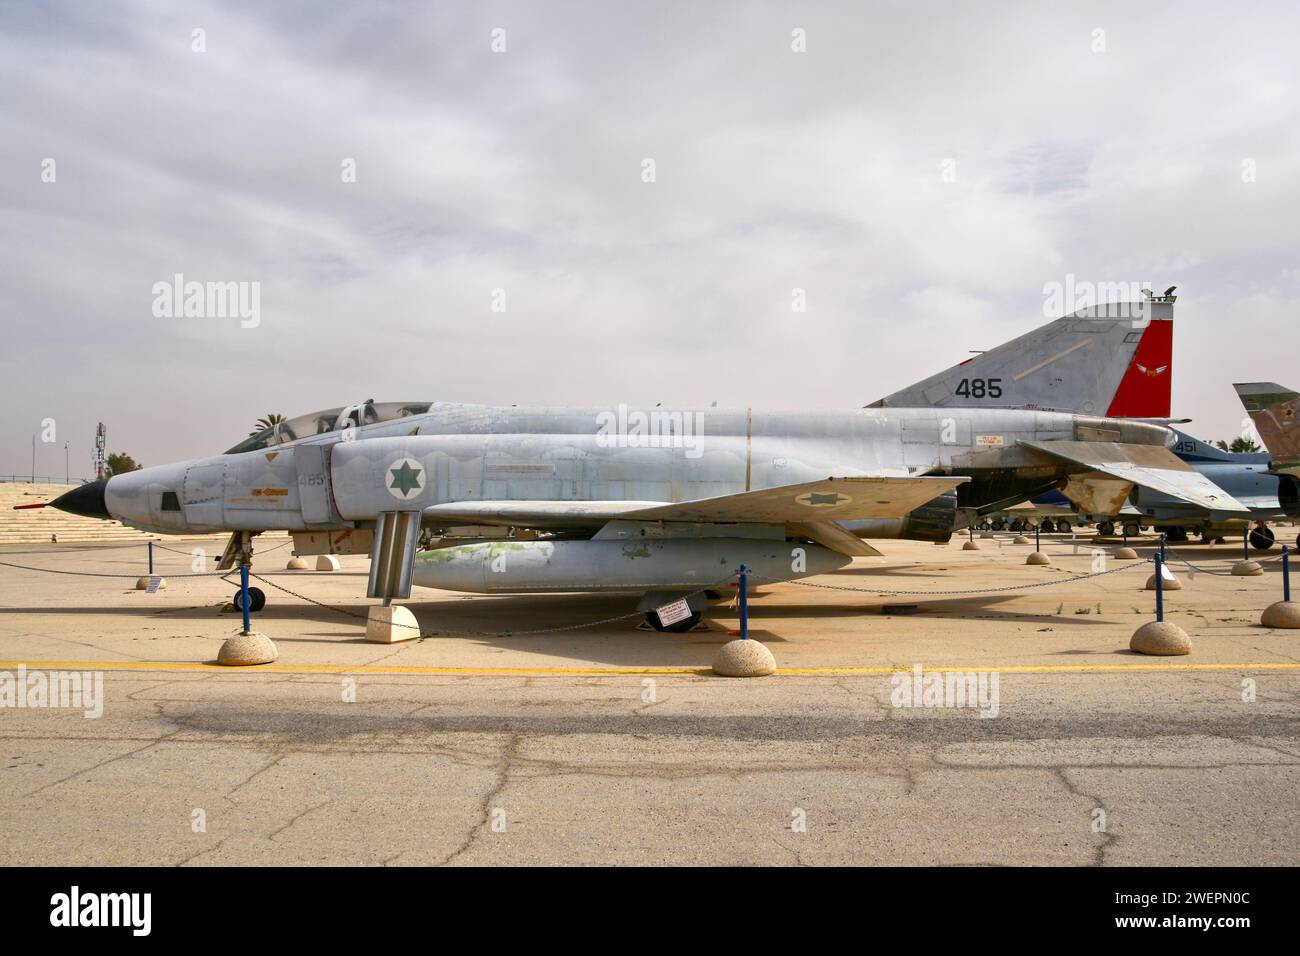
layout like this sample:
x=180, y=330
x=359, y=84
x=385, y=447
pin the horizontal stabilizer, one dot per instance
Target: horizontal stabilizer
x=1150, y=466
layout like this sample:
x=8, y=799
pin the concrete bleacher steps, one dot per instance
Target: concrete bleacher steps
x=37, y=525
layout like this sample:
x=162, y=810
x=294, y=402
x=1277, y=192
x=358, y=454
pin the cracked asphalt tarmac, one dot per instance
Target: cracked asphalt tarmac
x=1090, y=761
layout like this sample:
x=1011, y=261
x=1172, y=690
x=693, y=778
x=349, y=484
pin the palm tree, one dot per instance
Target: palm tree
x=1241, y=445
x=268, y=421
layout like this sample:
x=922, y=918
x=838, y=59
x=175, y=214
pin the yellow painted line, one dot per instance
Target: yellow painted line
x=642, y=671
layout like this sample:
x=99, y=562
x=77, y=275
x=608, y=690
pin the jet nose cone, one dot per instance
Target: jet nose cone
x=86, y=500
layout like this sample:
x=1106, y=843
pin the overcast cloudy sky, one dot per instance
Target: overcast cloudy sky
x=1163, y=150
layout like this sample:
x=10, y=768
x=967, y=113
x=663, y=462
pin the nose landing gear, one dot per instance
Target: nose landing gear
x=239, y=551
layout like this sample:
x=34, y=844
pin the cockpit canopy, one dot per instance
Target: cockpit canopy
x=368, y=412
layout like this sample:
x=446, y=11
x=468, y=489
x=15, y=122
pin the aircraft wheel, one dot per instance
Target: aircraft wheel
x=999, y=524
x=1261, y=539
x=1106, y=529
x=679, y=628
x=1178, y=533
x=1132, y=530
x=256, y=600
x=1063, y=526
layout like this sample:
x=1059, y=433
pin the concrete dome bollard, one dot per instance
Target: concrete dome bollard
x=243, y=650
x=744, y=658
x=1171, y=583
x=1284, y=614
x=1020, y=539
x=971, y=546
x=1247, y=569
x=143, y=583
x=1037, y=557
x=297, y=564
x=1160, y=638
x=1125, y=554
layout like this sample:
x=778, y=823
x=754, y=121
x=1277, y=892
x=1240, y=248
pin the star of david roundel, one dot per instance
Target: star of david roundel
x=404, y=478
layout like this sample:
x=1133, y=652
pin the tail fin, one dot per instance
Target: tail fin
x=1273, y=409
x=1086, y=362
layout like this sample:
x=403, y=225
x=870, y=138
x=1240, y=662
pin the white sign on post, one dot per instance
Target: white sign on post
x=154, y=581
x=672, y=613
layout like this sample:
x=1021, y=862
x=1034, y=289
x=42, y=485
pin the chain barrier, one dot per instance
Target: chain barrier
x=1224, y=574
x=1013, y=587
x=190, y=553
x=729, y=582
x=103, y=574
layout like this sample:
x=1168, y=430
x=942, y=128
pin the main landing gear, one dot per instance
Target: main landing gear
x=1262, y=537
x=680, y=627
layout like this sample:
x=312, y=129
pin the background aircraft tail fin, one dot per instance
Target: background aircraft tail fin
x=1102, y=360
x=1273, y=409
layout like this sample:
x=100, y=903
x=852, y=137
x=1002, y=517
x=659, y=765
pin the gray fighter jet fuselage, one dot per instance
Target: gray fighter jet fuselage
x=473, y=454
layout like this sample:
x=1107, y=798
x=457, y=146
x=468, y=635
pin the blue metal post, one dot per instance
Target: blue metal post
x=1160, y=587
x=744, y=603
x=1286, y=573
x=1245, y=542
x=1125, y=526
x=1162, y=546
x=243, y=590
x=151, y=557
x=1038, y=544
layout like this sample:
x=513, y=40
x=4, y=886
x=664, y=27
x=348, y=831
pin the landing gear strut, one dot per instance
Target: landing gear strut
x=239, y=551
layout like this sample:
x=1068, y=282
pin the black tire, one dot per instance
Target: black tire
x=1261, y=539
x=1177, y=533
x=1132, y=530
x=1106, y=528
x=999, y=524
x=679, y=628
x=1064, y=527
x=256, y=600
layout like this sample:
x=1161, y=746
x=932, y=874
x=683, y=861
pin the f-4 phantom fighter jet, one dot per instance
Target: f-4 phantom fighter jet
x=663, y=502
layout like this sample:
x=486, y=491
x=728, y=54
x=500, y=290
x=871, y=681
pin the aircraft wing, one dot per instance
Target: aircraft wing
x=832, y=499
x=812, y=502
x=1150, y=466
